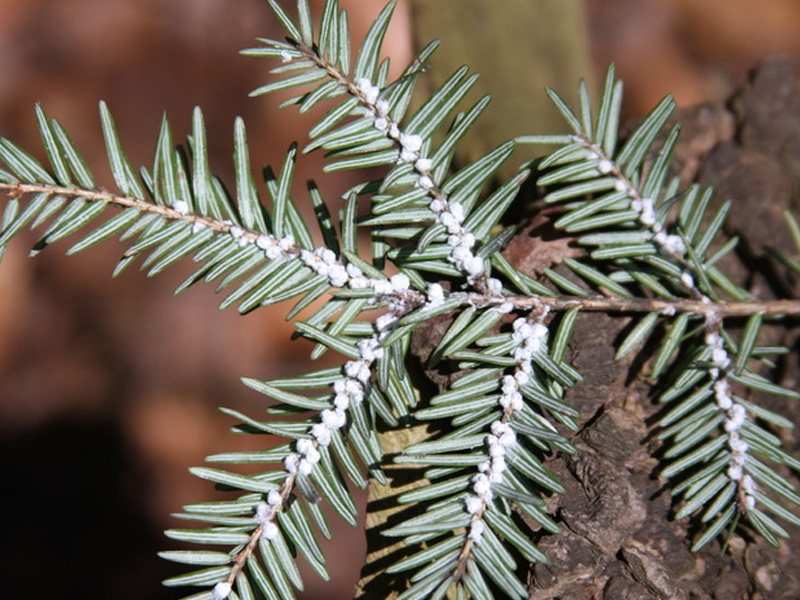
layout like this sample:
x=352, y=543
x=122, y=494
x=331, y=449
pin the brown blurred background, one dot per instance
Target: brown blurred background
x=109, y=388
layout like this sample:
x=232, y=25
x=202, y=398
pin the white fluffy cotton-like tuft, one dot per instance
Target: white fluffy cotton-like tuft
x=382, y=287
x=400, y=282
x=423, y=165
x=221, y=591
x=473, y=504
x=476, y=529
x=269, y=531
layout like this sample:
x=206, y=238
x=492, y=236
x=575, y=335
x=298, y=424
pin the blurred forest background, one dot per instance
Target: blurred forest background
x=109, y=388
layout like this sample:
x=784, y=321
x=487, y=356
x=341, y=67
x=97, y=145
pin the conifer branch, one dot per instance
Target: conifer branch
x=409, y=147
x=506, y=406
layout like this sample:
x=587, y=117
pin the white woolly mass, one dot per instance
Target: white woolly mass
x=181, y=207
x=530, y=336
x=736, y=414
x=322, y=434
x=722, y=393
x=359, y=283
x=499, y=429
x=333, y=419
x=273, y=252
x=370, y=349
x=482, y=485
x=511, y=401
x=286, y=243
x=407, y=156
x=221, y=591
x=737, y=445
x=313, y=456
x=648, y=213
x=673, y=244
x=382, y=108
x=435, y=294
x=464, y=240
x=495, y=448
x=473, y=504
x=451, y=215
x=337, y=275
x=342, y=401
x=353, y=271
x=291, y=463
x=358, y=370
x=507, y=439
x=720, y=360
x=423, y=165
x=425, y=182
x=354, y=389
x=476, y=529
x=264, y=512
x=449, y=220
x=324, y=262
x=474, y=266
x=381, y=124
x=382, y=287
x=305, y=467
x=347, y=390
x=605, y=166
x=668, y=244
x=410, y=142
x=269, y=531
x=265, y=241
x=369, y=91
x=460, y=253
x=386, y=322
x=303, y=446
x=457, y=210
x=400, y=282
x=669, y=311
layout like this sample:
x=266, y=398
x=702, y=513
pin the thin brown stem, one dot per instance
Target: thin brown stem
x=239, y=561
x=788, y=308
x=605, y=304
x=101, y=195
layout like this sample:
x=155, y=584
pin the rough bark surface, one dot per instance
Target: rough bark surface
x=619, y=542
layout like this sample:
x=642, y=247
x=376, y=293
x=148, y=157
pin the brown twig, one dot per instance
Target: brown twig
x=606, y=304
